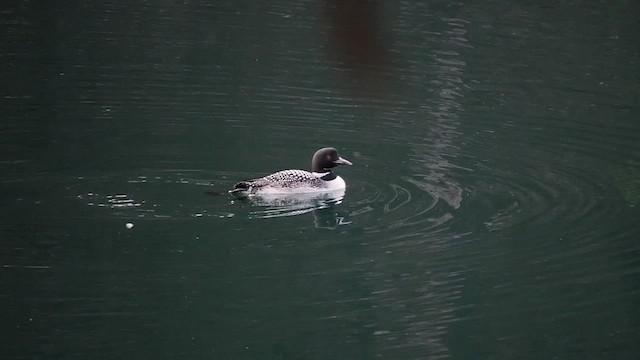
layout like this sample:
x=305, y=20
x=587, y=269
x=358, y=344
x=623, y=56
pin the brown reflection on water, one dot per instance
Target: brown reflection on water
x=358, y=38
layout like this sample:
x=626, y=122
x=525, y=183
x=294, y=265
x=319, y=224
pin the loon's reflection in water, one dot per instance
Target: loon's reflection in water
x=322, y=204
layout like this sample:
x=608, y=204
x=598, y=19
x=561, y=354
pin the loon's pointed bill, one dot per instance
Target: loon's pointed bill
x=343, y=161
x=319, y=179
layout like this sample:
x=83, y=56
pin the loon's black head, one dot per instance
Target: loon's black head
x=327, y=158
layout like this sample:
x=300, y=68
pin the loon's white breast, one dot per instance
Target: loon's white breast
x=336, y=183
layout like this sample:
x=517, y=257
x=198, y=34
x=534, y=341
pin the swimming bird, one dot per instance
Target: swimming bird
x=319, y=179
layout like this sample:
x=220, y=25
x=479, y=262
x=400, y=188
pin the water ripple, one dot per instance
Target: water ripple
x=399, y=209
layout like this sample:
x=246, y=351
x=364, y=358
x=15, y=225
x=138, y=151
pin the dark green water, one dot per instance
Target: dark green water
x=492, y=211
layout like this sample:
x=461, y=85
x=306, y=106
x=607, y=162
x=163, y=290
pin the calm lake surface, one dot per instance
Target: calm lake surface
x=492, y=211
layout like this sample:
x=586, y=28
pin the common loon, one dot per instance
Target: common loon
x=320, y=179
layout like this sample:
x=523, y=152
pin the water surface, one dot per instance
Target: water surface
x=491, y=211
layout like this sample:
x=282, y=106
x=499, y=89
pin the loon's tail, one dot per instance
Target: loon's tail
x=241, y=189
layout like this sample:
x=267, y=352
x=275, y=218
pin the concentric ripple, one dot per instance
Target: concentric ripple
x=403, y=208
x=543, y=187
x=522, y=198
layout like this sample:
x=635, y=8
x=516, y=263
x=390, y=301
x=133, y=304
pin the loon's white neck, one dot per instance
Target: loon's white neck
x=326, y=176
